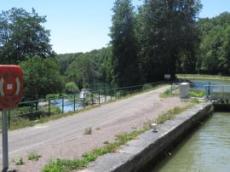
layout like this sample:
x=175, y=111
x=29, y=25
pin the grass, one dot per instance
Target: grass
x=171, y=114
x=196, y=93
x=203, y=77
x=19, y=161
x=69, y=165
x=33, y=156
x=173, y=91
x=61, y=165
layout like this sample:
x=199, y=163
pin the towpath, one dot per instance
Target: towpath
x=66, y=138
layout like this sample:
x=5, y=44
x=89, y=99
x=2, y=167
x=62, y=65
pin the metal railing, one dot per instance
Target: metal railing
x=218, y=93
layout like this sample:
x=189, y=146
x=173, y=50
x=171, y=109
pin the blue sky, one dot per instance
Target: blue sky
x=83, y=25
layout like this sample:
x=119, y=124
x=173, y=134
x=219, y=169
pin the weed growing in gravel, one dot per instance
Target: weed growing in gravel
x=69, y=165
x=33, y=156
x=19, y=161
x=171, y=114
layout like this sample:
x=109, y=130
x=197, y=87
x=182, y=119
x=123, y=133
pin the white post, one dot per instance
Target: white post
x=5, y=158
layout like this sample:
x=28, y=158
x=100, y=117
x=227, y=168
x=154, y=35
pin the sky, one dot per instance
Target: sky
x=84, y=25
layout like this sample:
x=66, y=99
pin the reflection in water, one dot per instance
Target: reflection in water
x=207, y=150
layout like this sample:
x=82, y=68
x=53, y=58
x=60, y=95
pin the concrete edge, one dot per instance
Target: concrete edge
x=149, y=145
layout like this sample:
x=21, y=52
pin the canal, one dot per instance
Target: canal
x=206, y=150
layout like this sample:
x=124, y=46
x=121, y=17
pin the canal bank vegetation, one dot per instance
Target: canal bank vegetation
x=203, y=77
x=171, y=114
x=64, y=165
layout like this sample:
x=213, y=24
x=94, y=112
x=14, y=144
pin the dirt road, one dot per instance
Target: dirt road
x=66, y=138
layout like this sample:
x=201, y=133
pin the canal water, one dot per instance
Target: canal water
x=207, y=150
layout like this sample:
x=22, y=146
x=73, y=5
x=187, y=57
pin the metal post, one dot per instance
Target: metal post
x=74, y=103
x=49, y=108
x=105, y=96
x=5, y=158
x=99, y=97
x=9, y=118
x=92, y=98
x=62, y=105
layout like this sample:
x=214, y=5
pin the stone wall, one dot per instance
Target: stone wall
x=149, y=146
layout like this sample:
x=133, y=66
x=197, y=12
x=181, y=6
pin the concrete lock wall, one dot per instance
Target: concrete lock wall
x=149, y=146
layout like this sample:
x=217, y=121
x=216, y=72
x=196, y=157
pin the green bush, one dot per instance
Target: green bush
x=71, y=87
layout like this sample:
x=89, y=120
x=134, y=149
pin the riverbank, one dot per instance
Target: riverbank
x=203, y=77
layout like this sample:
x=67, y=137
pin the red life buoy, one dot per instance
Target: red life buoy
x=11, y=86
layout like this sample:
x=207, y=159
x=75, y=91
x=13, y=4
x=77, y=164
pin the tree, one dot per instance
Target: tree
x=84, y=70
x=41, y=77
x=214, y=56
x=22, y=35
x=71, y=87
x=168, y=33
x=124, y=45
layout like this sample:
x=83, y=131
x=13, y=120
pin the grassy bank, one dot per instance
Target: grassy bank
x=62, y=165
x=203, y=77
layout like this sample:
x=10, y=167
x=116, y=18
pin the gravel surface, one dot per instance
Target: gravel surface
x=66, y=138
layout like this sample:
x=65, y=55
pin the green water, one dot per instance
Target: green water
x=207, y=150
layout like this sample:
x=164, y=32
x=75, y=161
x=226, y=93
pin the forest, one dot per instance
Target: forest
x=160, y=37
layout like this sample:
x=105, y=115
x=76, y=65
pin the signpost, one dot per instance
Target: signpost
x=11, y=91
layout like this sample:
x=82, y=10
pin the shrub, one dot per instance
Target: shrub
x=71, y=87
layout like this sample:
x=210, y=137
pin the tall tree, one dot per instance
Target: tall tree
x=124, y=45
x=168, y=32
x=22, y=34
x=214, y=57
x=41, y=77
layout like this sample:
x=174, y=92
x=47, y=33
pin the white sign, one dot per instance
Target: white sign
x=167, y=76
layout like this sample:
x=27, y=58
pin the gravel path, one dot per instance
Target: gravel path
x=65, y=138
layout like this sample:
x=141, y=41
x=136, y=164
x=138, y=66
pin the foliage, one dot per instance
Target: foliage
x=214, y=56
x=22, y=35
x=87, y=69
x=71, y=87
x=167, y=34
x=41, y=77
x=124, y=45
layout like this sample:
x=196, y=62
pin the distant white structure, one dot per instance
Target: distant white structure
x=184, y=90
x=84, y=92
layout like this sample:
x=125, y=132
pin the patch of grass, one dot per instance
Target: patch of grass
x=171, y=114
x=196, y=93
x=195, y=101
x=69, y=165
x=33, y=156
x=167, y=93
x=19, y=161
x=203, y=77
